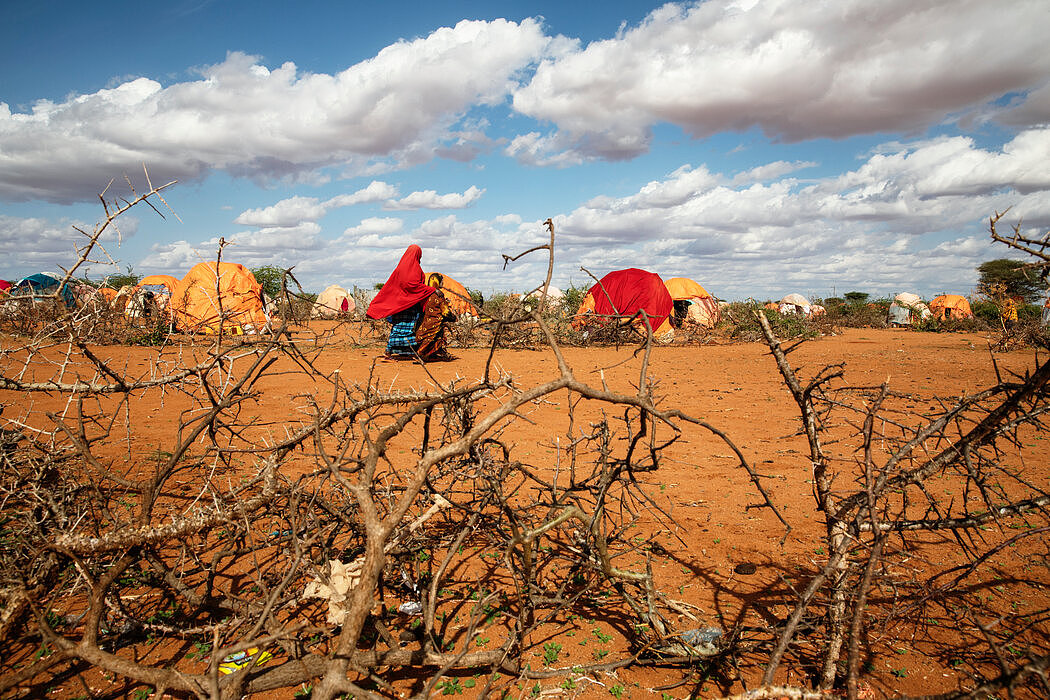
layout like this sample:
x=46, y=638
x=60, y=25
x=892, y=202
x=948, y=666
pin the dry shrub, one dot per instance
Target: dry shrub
x=377, y=542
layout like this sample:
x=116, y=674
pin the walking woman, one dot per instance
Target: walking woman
x=418, y=313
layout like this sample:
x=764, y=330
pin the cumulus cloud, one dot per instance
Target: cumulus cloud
x=876, y=227
x=909, y=217
x=296, y=210
x=791, y=68
x=40, y=244
x=246, y=119
x=429, y=199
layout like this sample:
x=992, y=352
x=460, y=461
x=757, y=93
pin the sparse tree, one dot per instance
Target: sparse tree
x=269, y=276
x=856, y=297
x=123, y=279
x=1013, y=278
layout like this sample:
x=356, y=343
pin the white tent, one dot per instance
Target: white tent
x=794, y=304
x=332, y=302
x=907, y=308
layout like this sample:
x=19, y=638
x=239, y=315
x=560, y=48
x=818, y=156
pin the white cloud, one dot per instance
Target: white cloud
x=249, y=120
x=296, y=210
x=429, y=199
x=373, y=226
x=39, y=244
x=793, y=68
x=912, y=216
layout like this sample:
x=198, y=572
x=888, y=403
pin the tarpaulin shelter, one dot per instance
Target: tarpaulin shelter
x=456, y=294
x=908, y=309
x=950, y=306
x=555, y=297
x=625, y=292
x=692, y=302
x=5, y=286
x=43, y=284
x=161, y=287
x=794, y=304
x=684, y=288
x=332, y=302
x=226, y=296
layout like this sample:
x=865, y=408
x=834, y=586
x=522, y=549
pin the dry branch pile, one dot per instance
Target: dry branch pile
x=376, y=542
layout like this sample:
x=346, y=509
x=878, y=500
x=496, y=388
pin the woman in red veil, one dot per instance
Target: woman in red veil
x=417, y=313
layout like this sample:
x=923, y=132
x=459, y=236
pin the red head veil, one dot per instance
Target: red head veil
x=404, y=289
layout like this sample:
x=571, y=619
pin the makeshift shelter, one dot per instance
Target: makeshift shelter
x=950, y=306
x=625, y=292
x=162, y=287
x=43, y=284
x=794, y=304
x=228, y=297
x=907, y=309
x=455, y=293
x=333, y=301
x=5, y=287
x=555, y=297
x=692, y=302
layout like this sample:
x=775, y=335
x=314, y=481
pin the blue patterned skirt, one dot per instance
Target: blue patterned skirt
x=403, y=334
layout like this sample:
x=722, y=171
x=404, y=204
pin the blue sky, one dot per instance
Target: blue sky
x=761, y=148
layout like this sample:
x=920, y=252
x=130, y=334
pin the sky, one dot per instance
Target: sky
x=761, y=148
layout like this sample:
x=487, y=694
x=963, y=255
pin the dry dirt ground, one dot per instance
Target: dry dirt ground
x=716, y=524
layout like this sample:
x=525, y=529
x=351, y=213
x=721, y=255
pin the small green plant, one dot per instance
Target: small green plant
x=900, y=672
x=450, y=686
x=617, y=691
x=304, y=690
x=602, y=636
x=568, y=684
x=141, y=694
x=550, y=653
x=199, y=651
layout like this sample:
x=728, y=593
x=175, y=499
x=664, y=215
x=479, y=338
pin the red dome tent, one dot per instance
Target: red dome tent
x=625, y=292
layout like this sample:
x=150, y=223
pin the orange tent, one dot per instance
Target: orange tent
x=154, y=283
x=167, y=280
x=950, y=306
x=692, y=302
x=684, y=288
x=456, y=294
x=231, y=298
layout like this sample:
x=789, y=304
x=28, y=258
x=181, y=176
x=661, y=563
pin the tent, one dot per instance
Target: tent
x=554, y=298
x=625, y=292
x=229, y=297
x=907, y=309
x=43, y=284
x=332, y=302
x=5, y=286
x=794, y=304
x=692, y=302
x=950, y=306
x=162, y=287
x=455, y=293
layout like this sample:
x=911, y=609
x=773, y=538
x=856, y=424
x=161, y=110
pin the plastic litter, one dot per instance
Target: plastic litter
x=702, y=641
x=410, y=608
x=701, y=636
x=235, y=662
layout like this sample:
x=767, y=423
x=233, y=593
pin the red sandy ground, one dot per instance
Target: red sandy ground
x=734, y=387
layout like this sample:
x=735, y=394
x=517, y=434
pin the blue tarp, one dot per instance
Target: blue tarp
x=43, y=283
